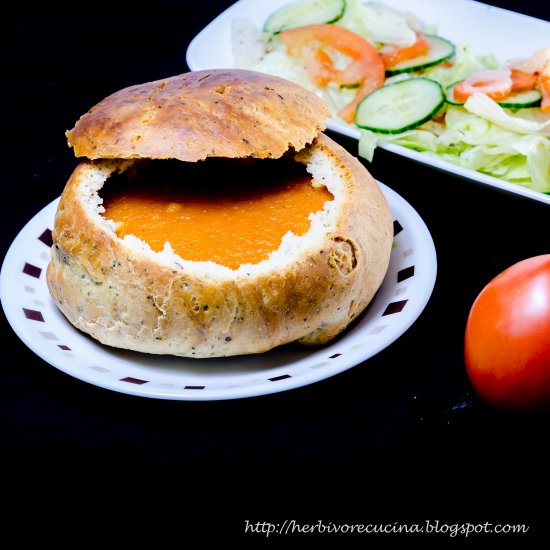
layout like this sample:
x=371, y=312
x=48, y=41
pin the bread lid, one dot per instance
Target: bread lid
x=230, y=113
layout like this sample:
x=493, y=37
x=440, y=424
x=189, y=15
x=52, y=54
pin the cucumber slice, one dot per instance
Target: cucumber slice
x=402, y=106
x=440, y=50
x=517, y=100
x=522, y=100
x=305, y=12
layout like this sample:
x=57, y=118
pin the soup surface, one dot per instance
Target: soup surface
x=231, y=212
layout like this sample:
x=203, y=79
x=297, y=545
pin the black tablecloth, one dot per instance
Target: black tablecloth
x=405, y=418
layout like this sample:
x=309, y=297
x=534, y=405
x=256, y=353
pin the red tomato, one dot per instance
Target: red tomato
x=366, y=67
x=507, y=342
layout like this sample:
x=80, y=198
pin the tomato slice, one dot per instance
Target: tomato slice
x=522, y=82
x=313, y=44
x=398, y=55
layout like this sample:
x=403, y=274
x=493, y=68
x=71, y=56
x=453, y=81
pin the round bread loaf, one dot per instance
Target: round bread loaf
x=125, y=295
x=230, y=113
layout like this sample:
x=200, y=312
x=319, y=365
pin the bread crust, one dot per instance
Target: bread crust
x=128, y=299
x=230, y=113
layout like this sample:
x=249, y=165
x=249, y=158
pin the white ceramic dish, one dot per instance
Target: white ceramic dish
x=36, y=320
x=487, y=28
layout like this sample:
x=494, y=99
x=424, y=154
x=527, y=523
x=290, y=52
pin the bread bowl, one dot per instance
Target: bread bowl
x=307, y=289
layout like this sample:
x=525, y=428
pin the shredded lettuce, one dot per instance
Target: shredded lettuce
x=354, y=20
x=278, y=63
x=474, y=142
x=378, y=23
x=488, y=109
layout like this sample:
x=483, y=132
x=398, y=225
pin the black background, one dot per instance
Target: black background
x=403, y=432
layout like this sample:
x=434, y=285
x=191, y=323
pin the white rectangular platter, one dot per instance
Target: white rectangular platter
x=486, y=28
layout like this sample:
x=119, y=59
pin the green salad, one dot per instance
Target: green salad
x=389, y=75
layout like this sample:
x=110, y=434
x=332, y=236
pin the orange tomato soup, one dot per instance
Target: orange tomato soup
x=229, y=212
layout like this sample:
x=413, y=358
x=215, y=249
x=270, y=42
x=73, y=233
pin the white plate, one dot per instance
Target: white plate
x=36, y=320
x=486, y=28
